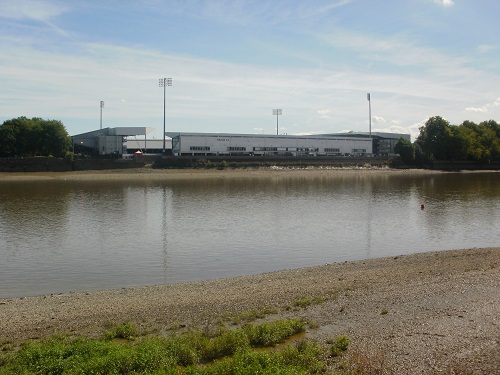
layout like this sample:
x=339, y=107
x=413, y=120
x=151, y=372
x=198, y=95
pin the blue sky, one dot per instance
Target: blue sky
x=233, y=61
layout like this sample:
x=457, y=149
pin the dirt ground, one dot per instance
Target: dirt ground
x=425, y=313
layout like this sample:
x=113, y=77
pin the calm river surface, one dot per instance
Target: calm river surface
x=77, y=235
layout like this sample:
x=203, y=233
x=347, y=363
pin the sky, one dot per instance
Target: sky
x=233, y=61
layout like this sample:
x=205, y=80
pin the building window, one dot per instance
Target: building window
x=332, y=149
x=359, y=150
x=236, y=148
x=199, y=148
x=265, y=148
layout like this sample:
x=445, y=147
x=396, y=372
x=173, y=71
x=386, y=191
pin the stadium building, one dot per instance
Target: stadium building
x=127, y=140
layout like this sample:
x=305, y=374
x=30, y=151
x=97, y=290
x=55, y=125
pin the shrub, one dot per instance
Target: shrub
x=339, y=346
x=179, y=354
x=271, y=334
x=122, y=331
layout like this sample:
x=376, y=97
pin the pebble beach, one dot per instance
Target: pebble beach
x=422, y=313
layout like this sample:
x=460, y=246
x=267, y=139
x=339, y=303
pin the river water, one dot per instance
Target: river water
x=60, y=236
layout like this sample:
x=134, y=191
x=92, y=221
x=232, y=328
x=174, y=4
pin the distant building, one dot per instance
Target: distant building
x=383, y=143
x=118, y=141
x=211, y=144
x=127, y=140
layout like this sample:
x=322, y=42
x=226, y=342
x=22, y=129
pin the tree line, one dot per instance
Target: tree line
x=438, y=140
x=23, y=137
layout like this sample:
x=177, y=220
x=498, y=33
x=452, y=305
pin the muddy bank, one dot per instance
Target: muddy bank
x=174, y=174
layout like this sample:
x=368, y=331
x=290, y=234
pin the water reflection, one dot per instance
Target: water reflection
x=59, y=236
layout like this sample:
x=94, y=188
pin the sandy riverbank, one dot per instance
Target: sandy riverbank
x=440, y=309
x=175, y=174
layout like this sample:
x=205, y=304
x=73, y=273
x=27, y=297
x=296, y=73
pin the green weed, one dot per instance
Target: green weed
x=271, y=334
x=249, y=316
x=225, y=351
x=122, y=331
x=339, y=346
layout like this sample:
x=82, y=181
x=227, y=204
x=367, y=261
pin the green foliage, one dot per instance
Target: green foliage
x=222, y=165
x=406, y=151
x=271, y=334
x=434, y=138
x=193, y=353
x=251, y=315
x=250, y=363
x=304, y=354
x=33, y=137
x=438, y=140
x=61, y=354
x=122, y=331
x=339, y=346
x=303, y=302
x=226, y=344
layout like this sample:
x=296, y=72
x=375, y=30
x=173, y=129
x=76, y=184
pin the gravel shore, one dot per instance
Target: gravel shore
x=177, y=174
x=421, y=314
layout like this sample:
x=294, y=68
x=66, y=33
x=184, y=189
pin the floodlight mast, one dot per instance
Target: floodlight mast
x=277, y=112
x=369, y=113
x=102, y=106
x=164, y=82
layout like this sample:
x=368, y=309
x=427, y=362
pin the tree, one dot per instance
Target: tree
x=435, y=139
x=405, y=149
x=469, y=135
x=490, y=139
x=33, y=137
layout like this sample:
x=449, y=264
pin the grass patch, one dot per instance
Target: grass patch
x=303, y=302
x=338, y=346
x=224, y=351
x=273, y=333
x=249, y=316
x=306, y=301
x=126, y=331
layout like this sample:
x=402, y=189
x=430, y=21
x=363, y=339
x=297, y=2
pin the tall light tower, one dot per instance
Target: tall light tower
x=164, y=82
x=102, y=106
x=369, y=113
x=277, y=112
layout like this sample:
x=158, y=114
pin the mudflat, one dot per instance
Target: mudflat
x=175, y=174
x=423, y=313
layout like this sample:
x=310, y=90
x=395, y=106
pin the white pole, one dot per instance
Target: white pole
x=369, y=113
x=102, y=106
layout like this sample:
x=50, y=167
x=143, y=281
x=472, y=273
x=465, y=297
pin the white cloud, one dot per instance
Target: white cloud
x=484, y=48
x=233, y=97
x=445, y=3
x=484, y=108
x=476, y=109
x=244, y=12
x=399, y=52
x=323, y=113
